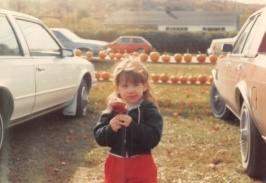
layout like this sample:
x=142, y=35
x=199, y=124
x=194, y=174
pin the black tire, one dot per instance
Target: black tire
x=2, y=132
x=252, y=146
x=218, y=107
x=82, y=99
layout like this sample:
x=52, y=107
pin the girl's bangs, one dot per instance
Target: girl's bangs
x=130, y=77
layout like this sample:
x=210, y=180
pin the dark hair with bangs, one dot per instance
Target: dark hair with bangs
x=134, y=72
x=130, y=77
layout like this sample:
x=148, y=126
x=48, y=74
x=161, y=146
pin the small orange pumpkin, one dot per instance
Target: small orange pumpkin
x=77, y=52
x=102, y=55
x=174, y=79
x=210, y=79
x=213, y=59
x=89, y=55
x=178, y=58
x=192, y=79
x=98, y=75
x=188, y=57
x=201, y=58
x=105, y=75
x=155, y=78
x=111, y=55
x=118, y=56
x=154, y=56
x=165, y=58
x=143, y=57
x=183, y=79
x=164, y=78
x=202, y=79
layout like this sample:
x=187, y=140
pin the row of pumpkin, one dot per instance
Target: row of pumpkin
x=154, y=57
x=164, y=78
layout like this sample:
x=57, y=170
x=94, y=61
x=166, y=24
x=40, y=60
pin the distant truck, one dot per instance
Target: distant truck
x=217, y=45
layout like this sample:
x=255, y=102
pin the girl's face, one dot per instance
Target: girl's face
x=131, y=92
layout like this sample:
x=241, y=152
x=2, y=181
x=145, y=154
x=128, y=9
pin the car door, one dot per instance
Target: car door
x=124, y=45
x=17, y=70
x=55, y=76
x=138, y=44
x=254, y=72
x=234, y=63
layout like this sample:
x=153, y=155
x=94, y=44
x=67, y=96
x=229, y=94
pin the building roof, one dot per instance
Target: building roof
x=182, y=18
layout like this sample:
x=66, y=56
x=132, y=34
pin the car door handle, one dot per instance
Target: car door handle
x=40, y=69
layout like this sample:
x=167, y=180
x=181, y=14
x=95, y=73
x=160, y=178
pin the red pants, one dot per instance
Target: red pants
x=135, y=169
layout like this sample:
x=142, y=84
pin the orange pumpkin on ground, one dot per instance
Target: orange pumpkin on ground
x=165, y=58
x=118, y=56
x=164, y=78
x=143, y=57
x=155, y=78
x=77, y=52
x=178, y=58
x=102, y=55
x=188, y=58
x=213, y=59
x=154, y=56
x=192, y=79
x=210, y=79
x=89, y=55
x=183, y=79
x=105, y=75
x=174, y=79
x=202, y=79
x=111, y=55
x=201, y=58
x=98, y=75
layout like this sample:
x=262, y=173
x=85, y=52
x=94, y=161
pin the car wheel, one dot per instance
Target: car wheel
x=218, y=106
x=2, y=131
x=252, y=146
x=82, y=99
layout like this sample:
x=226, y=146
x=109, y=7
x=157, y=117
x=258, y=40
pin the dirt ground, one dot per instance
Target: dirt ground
x=47, y=149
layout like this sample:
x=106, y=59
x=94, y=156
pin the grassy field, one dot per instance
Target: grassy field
x=195, y=146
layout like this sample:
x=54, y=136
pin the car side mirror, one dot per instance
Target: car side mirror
x=67, y=53
x=227, y=48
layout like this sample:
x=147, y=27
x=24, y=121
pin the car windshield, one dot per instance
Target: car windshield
x=70, y=35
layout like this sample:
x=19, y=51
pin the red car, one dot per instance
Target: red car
x=130, y=44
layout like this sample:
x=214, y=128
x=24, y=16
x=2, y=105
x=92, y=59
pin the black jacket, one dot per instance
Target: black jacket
x=140, y=137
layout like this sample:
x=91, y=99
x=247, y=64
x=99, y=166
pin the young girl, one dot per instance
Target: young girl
x=131, y=135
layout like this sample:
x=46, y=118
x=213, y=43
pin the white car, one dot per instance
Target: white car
x=70, y=40
x=37, y=75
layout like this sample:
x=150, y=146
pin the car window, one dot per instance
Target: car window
x=60, y=36
x=137, y=40
x=251, y=44
x=39, y=41
x=124, y=40
x=242, y=37
x=8, y=42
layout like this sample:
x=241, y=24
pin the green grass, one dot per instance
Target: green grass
x=195, y=146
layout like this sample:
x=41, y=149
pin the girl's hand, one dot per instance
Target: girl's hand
x=124, y=119
x=115, y=124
